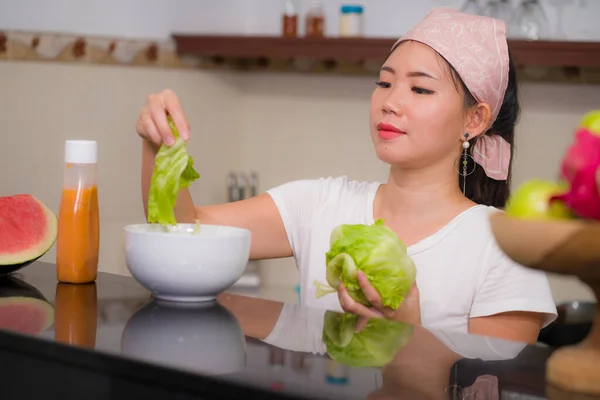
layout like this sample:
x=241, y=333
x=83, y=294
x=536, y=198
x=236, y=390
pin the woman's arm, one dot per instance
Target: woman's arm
x=259, y=214
x=256, y=316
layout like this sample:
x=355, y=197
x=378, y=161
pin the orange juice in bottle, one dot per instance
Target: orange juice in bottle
x=78, y=238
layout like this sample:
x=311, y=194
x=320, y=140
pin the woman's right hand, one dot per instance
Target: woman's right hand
x=152, y=124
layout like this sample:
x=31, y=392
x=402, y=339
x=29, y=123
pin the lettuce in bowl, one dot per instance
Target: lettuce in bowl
x=173, y=171
x=378, y=252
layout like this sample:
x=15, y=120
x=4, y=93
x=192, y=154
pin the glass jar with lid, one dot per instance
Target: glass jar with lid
x=351, y=20
x=315, y=20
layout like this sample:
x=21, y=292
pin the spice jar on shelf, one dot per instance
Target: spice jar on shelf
x=315, y=20
x=351, y=21
x=290, y=20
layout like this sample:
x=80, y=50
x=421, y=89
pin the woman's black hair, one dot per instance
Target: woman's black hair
x=479, y=188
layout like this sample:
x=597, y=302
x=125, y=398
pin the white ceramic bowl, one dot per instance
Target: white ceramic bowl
x=185, y=266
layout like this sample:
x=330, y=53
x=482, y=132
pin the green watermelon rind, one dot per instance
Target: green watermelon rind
x=15, y=261
x=12, y=286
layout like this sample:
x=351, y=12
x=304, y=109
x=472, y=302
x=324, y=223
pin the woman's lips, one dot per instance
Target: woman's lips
x=388, y=131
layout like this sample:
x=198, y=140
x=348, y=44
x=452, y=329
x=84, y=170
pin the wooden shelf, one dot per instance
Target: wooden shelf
x=555, y=54
x=537, y=60
x=351, y=49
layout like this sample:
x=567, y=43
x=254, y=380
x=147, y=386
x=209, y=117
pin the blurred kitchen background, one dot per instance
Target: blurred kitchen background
x=83, y=68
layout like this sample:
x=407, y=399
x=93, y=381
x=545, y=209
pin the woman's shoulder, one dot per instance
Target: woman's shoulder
x=468, y=236
x=326, y=187
x=337, y=181
x=474, y=221
x=470, y=227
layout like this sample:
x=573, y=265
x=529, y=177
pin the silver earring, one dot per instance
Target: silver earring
x=464, y=170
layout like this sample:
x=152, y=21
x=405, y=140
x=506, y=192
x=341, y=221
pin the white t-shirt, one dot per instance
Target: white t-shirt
x=461, y=271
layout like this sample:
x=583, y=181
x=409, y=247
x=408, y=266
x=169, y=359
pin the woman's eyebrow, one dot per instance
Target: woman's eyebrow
x=411, y=74
x=421, y=74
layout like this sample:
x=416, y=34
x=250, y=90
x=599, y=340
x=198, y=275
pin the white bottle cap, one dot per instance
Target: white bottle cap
x=81, y=151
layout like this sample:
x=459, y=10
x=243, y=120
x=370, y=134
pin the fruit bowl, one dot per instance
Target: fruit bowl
x=568, y=247
x=188, y=263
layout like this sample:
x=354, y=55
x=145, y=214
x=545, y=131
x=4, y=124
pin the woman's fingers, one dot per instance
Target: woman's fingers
x=409, y=311
x=175, y=110
x=352, y=306
x=152, y=122
x=147, y=128
x=159, y=116
x=369, y=291
x=361, y=323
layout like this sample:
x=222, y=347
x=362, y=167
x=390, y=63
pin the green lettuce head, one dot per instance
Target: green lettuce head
x=173, y=171
x=379, y=253
x=374, y=346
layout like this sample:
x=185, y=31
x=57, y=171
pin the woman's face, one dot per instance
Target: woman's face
x=417, y=114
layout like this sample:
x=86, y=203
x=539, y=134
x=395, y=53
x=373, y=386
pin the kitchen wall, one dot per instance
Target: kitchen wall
x=239, y=121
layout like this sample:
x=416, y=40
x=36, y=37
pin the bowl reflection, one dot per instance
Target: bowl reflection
x=202, y=338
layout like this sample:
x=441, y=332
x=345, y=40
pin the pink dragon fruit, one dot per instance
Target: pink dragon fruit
x=579, y=167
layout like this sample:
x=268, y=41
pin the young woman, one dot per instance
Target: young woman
x=446, y=91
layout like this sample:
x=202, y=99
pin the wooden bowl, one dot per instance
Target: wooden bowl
x=568, y=247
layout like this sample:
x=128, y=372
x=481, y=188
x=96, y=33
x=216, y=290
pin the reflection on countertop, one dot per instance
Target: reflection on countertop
x=278, y=347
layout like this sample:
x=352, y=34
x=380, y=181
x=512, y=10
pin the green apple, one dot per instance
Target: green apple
x=531, y=201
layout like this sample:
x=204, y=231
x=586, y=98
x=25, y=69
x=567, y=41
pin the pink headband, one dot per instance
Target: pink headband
x=476, y=47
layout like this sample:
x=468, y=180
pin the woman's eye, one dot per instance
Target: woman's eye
x=383, y=84
x=419, y=90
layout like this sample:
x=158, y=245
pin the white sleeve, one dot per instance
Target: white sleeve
x=298, y=329
x=477, y=346
x=296, y=201
x=509, y=286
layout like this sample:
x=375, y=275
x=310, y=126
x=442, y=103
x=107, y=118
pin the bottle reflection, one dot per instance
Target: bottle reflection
x=301, y=363
x=76, y=314
x=277, y=363
x=337, y=373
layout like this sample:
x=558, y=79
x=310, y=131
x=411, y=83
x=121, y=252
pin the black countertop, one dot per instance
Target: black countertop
x=110, y=339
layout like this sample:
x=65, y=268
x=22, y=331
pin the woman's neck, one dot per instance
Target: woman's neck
x=427, y=199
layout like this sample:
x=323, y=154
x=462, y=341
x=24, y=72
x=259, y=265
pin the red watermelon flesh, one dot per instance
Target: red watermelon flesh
x=23, y=308
x=25, y=315
x=27, y=231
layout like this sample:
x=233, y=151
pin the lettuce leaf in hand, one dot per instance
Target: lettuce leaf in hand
x=173, y=171
x=374, y=346
x=379, y=253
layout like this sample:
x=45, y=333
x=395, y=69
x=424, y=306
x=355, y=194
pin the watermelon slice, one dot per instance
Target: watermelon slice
x=27, y=231
x=23, y=309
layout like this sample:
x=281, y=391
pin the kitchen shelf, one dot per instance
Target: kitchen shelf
x=536, y=60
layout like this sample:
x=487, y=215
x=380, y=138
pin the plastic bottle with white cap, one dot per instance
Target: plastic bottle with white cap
x=78, y=239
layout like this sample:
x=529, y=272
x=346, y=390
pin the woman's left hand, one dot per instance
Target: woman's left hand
x=409, y=311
